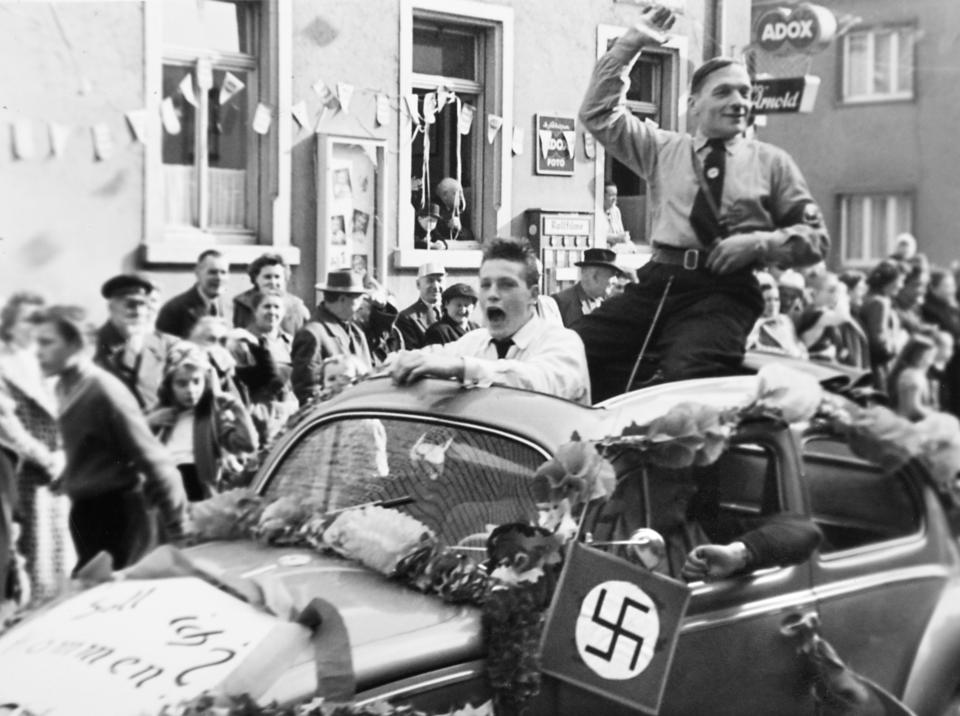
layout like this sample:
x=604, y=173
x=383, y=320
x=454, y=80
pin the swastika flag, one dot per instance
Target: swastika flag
x=612, y=628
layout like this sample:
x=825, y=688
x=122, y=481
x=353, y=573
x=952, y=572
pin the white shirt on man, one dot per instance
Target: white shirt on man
x=544, y=357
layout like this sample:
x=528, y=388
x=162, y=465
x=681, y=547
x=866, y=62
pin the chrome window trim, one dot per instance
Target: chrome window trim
x=404, y=688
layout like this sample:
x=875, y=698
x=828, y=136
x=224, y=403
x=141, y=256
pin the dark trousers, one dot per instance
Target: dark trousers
x=191, y=482
x=118, y=522
x=702, y=329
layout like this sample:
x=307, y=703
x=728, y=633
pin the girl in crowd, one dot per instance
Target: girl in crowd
x=45, y=538
x=885, y=336
x=263, y=370
x=199, y=424
x=269, y=274
x=911, y=394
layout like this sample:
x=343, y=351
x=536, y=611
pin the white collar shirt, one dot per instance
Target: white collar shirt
x=544, y=357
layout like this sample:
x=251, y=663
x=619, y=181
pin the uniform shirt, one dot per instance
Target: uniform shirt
x=544, y=357
x=763, y=189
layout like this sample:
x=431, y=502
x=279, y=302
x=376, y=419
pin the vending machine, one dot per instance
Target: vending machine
x=559, y=238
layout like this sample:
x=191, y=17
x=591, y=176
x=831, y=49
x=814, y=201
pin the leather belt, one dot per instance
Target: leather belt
x=690, y=259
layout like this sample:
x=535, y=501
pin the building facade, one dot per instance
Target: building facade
x=144, y=132
x=877, y=149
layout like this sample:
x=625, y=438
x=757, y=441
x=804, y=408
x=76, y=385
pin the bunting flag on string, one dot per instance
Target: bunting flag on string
x=517, y=144
x=168, y=115
x=327, y=97
x=411, y=101
x=344, y=95
x=299, y=113
x=444, y=97
x=371, y=153
x=230, y=87
x=262, y=117
x=589, y=146
x=494, y=122
x=23, y=144
x=429, y=108
x=186, y=90
x=383, y=110
x=467, y=111
x=103, y=145
x=59, y=136
x=137, y=121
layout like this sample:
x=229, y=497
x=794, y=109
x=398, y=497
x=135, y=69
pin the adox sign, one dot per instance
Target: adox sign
x=805, y=28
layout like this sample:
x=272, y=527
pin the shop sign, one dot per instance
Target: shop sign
x=556, y=141
x=785, y=95
x=807, y=28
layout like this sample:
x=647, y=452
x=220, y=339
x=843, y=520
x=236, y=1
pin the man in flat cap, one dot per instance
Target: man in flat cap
x=331, y=333
x=128, y=345
x=598, y=276
x=416, y=318
x=721, y=204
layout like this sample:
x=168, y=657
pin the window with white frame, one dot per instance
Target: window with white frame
x=211, y=155
x=878, y=64
x=869, y=224
x=456, y=69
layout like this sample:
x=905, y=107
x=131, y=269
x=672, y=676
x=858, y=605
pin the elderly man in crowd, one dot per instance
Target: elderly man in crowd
x=128, y=346
x=205, y=298
x=415, y=319
x=331, y=333
x=116, y=470
x=516, y=348
x=598, y=277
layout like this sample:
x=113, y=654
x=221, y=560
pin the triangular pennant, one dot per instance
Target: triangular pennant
x=168, y=114
x=467, y=112
x=383, y=110
x=299, y=113
x=262, y=118
x=494, y=122
x=102, y=141
x=137, y=121
x=589, y=146
x=371, y=153
x=231, y=86
x=186, y=90
x=326, y=95
x=411, y=101
x=23, y=144
x=430, y=108
x=59, y=136
x=344, y=95
x=517, y=144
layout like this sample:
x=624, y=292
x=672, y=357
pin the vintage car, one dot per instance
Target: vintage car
x=884, y=584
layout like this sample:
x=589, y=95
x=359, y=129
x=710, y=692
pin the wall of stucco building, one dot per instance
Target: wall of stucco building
x=68, y=223
x=885, y=147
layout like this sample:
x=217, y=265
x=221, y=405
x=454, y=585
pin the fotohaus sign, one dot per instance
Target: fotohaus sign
x=556, y=139
x=806, y=28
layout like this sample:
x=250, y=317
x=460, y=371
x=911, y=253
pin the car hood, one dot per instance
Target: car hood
x=130, y=646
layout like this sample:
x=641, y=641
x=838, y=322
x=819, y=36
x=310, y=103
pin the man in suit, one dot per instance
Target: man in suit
x=416, y=318
x=331, y=333
x=205, y=298
x=127, y=344
x=598, y=275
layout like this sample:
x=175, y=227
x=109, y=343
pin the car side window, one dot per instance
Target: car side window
x=854, y=502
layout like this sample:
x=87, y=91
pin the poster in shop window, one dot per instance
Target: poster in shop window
x=556, y=141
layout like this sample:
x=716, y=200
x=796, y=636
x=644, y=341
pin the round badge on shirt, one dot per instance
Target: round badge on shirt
x=713, y=173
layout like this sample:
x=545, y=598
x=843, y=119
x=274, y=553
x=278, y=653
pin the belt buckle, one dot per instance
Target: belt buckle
x=691, y=259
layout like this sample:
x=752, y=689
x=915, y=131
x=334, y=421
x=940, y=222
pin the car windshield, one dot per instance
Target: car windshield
x=459, y=480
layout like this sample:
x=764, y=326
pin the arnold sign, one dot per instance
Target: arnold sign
x=784, y=95
x=806, y=28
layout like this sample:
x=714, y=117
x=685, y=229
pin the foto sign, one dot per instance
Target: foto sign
x=784, y=95
x=807, y=28
x=556, y=140
x=612, y=628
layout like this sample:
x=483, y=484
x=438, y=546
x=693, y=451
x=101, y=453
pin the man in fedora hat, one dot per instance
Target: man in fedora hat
x=598, y=275
x=331, y=333
x=416, y=318
x=128, y=345
x=721, y=204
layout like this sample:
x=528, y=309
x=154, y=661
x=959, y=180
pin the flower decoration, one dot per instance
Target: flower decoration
x=282, y=519
x=575, y=475
x=687, y=434
x=790, y=394
x=227, y=515
x=376, y=536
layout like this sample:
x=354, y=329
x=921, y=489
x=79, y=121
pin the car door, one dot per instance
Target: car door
x=731, y=657
x=878, y=575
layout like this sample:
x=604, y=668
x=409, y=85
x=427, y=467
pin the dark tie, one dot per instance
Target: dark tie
x=704, y=220
x=214, y=309
x=502, y=346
